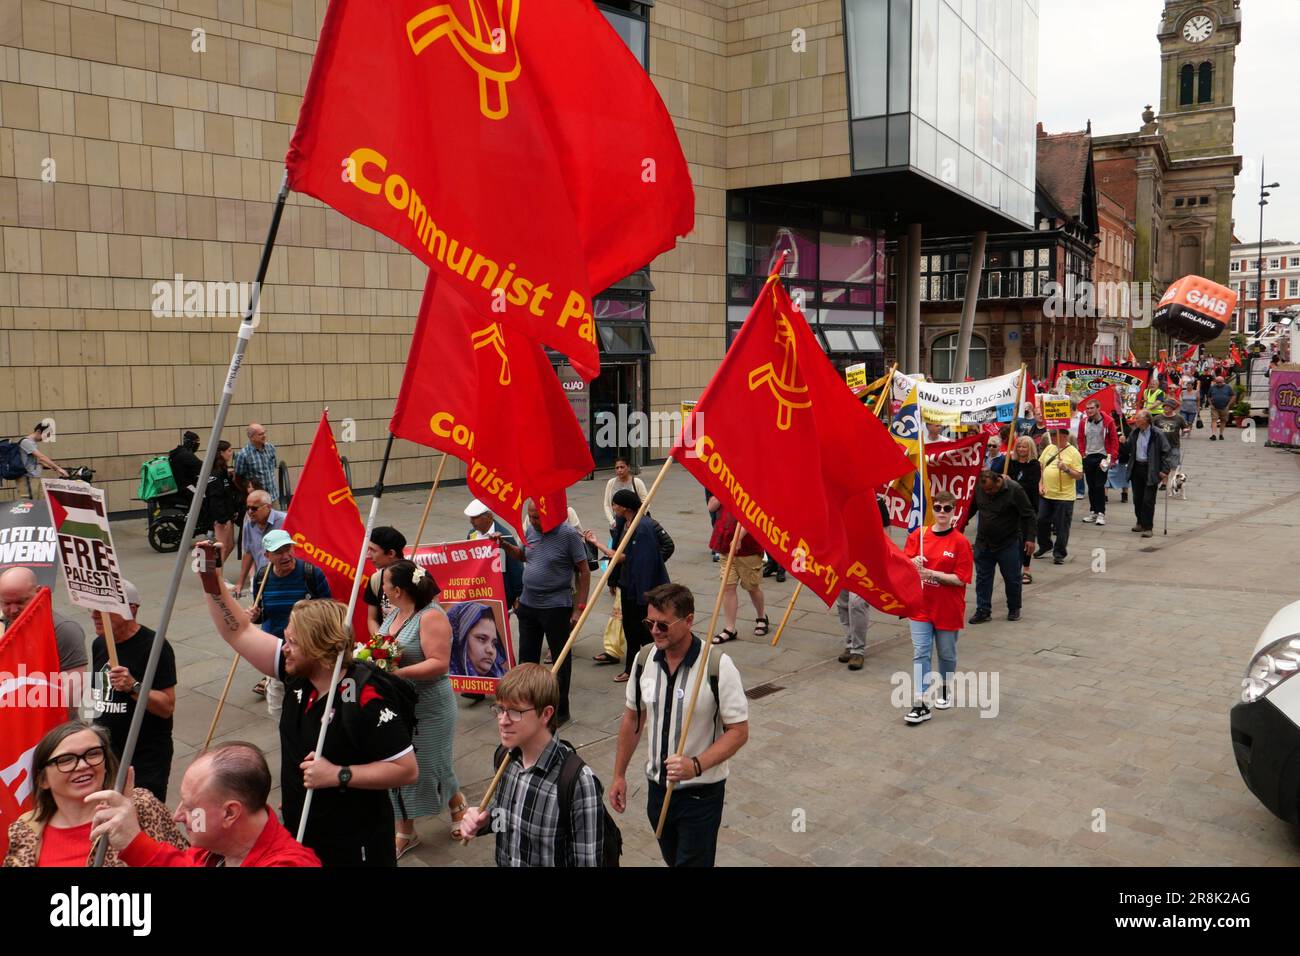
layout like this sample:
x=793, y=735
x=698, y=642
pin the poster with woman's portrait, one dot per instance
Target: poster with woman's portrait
x=474, y=597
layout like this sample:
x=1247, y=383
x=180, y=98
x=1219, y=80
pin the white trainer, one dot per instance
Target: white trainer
x=1101, y=519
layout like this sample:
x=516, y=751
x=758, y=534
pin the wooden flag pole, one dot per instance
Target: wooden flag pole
x=703, y=665
x=1011, y=435
x=110, y=642
x=429, y=504
x=593, y=595
x=887, y=391
x=798, y=589
x=230, y=677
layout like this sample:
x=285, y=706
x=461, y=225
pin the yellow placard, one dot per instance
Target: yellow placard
x=1056, y=412
x=687, y=408
x=855, y=376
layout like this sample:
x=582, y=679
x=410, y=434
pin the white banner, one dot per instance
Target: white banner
x=963, y=403
x=79, y=514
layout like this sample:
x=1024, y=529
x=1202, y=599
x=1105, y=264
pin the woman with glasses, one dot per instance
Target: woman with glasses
x=944, y=559
x=71, y=762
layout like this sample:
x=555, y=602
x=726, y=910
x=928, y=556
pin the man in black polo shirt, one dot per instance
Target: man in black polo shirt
x=115, y=692
x=367, y=747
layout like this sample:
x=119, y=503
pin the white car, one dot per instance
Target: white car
x=1266, y=722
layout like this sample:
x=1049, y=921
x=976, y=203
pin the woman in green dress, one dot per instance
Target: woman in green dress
x=424, y=635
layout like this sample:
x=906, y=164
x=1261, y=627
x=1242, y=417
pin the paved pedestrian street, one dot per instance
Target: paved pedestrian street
x=1095, y=733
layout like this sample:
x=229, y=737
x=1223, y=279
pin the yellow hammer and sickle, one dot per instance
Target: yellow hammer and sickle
x=787, y=392
x=494, y=337
x=490, y=51
x=340, y=495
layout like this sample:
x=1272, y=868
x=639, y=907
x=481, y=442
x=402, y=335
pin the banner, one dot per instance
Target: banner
x=79, y=514
x=777, y=398
x=27, y=539
x=1079, y=381
x=1284, y=407
x=474, y=597
x=31, y=704
x=325, y=523
x=489, y=396
x=517, y=147
x=1056, y=412
x=949, y=466
x=907, y=431
x=963, y=403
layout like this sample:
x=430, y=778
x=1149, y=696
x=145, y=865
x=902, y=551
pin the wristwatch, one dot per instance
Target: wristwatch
x=345, y=778
x=135, y=688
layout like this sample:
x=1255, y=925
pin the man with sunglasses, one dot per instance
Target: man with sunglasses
x=547, y=809
x=663, y=679
x=259, y=519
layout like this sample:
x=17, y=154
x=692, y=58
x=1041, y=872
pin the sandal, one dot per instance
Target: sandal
x=411, y=842
x=260, y=687
x=603, y=658
x=1026, y=578
x=457, y=814
x=725, y=635
x=761, y=625
x=622, y=678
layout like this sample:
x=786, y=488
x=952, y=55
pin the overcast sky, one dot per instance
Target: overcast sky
x=1100, y=60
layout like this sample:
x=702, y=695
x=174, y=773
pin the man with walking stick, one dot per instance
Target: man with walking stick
x=662, y=678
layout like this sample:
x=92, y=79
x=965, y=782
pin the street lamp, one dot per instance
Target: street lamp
x=1259, y=263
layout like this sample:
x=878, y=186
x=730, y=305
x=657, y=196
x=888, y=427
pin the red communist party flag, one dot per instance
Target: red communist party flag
x=31, y=704
x=488, y=395
x=516, y=146
x=325, y=523
x=789, y=451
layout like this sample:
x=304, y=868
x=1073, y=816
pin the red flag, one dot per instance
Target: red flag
x=325, y=522
x=1236, y=356
x=30, y=704
x=1188, y=355
x=1132, y=359
x=1105, y=398
x=1105, y=360
x=789, y=451
x=489, y=396
x=518, y=148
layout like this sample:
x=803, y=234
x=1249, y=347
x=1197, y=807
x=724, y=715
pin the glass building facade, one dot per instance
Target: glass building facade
x=947, y=88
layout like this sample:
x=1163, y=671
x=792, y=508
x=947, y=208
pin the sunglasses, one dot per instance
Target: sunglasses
x=658, y=627
x=944, y=509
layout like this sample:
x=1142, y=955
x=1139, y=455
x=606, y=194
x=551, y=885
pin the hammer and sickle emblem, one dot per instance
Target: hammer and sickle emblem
x=340, y=495
x=494, y=337
x=788, y=393
x=487, y=46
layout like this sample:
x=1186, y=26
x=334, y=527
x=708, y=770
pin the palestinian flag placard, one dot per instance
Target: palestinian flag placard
x=79, y=514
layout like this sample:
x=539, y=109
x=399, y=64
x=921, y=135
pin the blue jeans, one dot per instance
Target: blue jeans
x=925, y=638
x=1008, y=561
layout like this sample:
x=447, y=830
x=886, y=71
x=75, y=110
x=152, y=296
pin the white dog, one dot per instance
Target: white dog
x=1176, y=484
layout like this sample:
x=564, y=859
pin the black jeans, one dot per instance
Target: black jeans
x=1006, y=559
x=634, y=630
x=1054, y=518
x=694, y=818
x=1096, y=479
x=1144, y=495
x=553, y=624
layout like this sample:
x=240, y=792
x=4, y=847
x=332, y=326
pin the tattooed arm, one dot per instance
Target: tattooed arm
x=231, y=621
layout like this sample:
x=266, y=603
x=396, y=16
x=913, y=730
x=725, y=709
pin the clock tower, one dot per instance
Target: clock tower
x=1198, y=53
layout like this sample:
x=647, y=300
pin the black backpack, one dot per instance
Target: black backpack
x=397, y=692
x=11, y=460
x=611, y=844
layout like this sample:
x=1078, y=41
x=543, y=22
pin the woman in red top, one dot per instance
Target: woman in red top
x=72, y=761
x=945, y=571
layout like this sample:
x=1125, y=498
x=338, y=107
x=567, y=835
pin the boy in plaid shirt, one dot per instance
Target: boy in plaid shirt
x=526, y=813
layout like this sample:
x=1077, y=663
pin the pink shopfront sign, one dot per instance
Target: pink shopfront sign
x=1284, y=407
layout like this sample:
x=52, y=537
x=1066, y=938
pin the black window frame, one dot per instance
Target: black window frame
x=1186, y=84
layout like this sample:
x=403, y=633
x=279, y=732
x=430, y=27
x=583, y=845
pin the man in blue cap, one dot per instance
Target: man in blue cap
x=288, y=581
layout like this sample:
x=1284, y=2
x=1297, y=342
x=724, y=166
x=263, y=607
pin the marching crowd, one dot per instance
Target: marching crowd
x=390, y=761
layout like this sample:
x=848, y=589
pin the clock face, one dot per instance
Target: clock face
x=1198, y=28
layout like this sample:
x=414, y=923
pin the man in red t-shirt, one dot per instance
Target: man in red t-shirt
x=944, y=559
x=223, y=806
x=746, y=570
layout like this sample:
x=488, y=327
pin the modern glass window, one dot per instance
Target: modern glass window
x=629, y=20
x=1186, y=82
x=943, y=357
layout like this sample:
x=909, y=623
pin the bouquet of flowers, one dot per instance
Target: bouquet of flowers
x=381, y=650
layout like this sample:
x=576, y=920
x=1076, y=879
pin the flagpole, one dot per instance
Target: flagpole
x=246, y=329
x=230, y=677
x=110, y=642
x=702, y=662
x=593, y=596
x=429, y=504
x=798, y=589
x=887, y=391
x=328, y=713
x=1011, y=435
x=920, y=435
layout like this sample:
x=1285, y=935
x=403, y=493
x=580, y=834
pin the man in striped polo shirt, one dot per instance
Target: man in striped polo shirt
x=663, y=678
x=288, y=581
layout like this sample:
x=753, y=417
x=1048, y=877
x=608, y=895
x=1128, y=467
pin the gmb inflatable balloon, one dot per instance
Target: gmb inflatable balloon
x=1194, y=310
